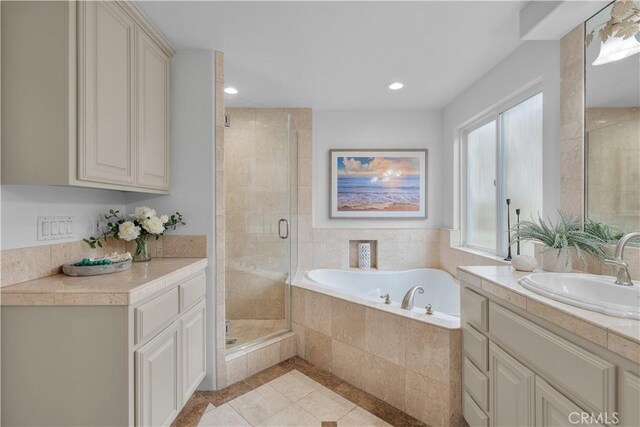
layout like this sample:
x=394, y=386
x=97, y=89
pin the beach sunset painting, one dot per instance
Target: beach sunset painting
x=378, y=184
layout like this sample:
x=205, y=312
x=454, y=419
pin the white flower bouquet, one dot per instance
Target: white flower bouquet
x=139, y=226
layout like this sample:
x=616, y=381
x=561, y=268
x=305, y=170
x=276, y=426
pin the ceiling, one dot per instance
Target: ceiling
x=343, y=55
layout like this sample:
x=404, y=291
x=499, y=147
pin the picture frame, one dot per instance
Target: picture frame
x=378, y=183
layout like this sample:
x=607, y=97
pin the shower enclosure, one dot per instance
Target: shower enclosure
x=260, y=167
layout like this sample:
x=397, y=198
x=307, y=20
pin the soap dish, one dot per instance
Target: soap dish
x=71, y=269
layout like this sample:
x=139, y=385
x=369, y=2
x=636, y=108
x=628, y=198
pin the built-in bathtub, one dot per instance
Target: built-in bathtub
x=441, y=290
x=407, y=358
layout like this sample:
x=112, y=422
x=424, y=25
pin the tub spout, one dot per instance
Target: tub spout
x=407, y=301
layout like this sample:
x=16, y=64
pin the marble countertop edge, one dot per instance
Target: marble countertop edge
x=506, y=277
x=123, y=288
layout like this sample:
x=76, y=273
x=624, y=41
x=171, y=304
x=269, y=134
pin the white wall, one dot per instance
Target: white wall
x=21, y=206
x=532, y=60
x=364, y=129
x=192, y=167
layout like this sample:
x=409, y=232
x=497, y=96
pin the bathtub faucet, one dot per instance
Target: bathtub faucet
x=407, y=301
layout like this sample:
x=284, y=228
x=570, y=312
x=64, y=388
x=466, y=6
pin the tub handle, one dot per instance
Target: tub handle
x=429, y=309
x=387, y=298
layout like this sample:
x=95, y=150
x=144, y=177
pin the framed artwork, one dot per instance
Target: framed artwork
x=378, y=183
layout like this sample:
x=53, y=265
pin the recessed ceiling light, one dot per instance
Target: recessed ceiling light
x=230, y=90
x=396, y=86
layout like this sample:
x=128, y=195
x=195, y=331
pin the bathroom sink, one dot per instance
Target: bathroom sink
x=588, y=291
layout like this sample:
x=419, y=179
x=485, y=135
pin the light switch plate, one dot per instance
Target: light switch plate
x=55, y=227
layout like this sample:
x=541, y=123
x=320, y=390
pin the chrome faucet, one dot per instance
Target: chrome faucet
x=407, y=301
x=623, y=268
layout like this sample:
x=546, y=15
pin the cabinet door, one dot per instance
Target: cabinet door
x=153, y=68
x=158, y=378
x=105, y=93
x=193, y=349
x=555, y=410
x=512, y=390
x=629, y=410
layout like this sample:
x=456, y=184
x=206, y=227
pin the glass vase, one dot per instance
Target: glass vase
x=142, y=252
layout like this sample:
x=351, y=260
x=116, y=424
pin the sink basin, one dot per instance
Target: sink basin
x=588, y=291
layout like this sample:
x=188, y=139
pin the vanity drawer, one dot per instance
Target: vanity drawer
x=192, y=291
x=475, y=309
x=476, y=347
x=476, y=383
x=589, y=378
x=153, y=315
x=472, y=412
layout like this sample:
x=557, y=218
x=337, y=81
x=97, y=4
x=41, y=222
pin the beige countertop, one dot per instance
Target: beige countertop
x=621, y=336
x=124, y=288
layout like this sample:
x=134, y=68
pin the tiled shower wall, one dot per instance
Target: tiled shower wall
x=256, y=196
x=613, y=157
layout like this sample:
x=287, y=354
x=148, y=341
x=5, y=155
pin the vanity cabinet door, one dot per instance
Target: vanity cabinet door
x=158, y=378
x=512, y=390
x=193, y=349
x=152, y=115
x=105, y=93
x=629, y=408
x=555, y=410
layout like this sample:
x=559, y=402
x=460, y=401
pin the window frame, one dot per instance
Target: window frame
x=493, y=114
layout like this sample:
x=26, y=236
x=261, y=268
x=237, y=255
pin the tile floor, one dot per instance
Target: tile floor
x=292, y=393
x=247, y=330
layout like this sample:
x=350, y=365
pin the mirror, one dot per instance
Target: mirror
x=612, y=117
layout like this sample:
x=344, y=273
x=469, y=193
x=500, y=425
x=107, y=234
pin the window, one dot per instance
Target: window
x=503, y=157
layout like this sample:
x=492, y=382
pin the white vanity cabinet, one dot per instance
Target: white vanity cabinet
x=520, y=371
x=193, y=329
x=102, y=362
x=157, y=366
x=512, y=390
x=85, y=96
x=170, y=365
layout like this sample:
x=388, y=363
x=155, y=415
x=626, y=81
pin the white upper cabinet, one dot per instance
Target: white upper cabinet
x=153, y=68
x=103, y=72
x=105, y=98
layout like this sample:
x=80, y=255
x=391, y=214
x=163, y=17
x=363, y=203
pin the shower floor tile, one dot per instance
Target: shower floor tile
x=247, y=330
x=292, y=393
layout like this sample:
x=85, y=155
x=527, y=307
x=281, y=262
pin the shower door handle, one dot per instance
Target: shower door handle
x=286, y=229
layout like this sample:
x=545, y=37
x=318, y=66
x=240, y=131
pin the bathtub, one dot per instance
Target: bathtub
x=441, y=290
x=343, y=326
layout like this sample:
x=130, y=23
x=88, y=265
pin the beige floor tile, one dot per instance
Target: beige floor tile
x=326, y=405
x=222, y=416
x=260, y=404
x=358, y=417
x=295, y=385
x=292, y=416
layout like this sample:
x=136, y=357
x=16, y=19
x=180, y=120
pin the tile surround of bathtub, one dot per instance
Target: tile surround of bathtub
x=397, y=359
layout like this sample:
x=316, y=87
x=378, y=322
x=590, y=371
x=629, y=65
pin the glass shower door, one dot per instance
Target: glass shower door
x=258, y=235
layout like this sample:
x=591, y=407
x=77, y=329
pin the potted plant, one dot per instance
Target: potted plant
x=610, y=234
x=558, y=240
x=143, y=223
